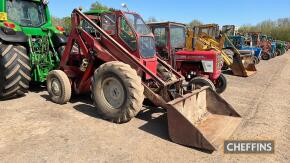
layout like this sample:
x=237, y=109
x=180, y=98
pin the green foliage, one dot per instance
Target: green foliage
x=194, y=23
x=64, y=22
x=279, y=29
x=98, y=6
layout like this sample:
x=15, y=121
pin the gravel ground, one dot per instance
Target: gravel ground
x=33, y=129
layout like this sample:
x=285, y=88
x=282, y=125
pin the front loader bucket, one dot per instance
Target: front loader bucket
x=201, y=119
x=243, y=66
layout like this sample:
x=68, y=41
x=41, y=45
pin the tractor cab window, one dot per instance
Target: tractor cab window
x=89, y=28
x=177, y=36
x=127, y=34
x=138, y=24
x=160, y=37
x=26, y=13
x=211, y=31
x=109, y=23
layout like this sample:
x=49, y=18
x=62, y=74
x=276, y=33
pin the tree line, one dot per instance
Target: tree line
x=66, y=21
x=278, y=29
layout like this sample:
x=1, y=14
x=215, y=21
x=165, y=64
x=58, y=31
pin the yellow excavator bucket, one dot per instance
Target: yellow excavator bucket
x=201, y=119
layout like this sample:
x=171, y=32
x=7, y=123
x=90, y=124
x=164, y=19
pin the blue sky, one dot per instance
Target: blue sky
x=222, y=12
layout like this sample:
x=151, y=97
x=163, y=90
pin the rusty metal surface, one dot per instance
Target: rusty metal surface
x=243, y=66
x=201, y=119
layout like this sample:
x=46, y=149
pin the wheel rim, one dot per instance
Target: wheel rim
x=55, y=87
x=114, y=92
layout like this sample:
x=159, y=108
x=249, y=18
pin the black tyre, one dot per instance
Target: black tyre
x=117, y=92
x=221, y=84
x=58, y=87
x=259, y=60
x=278, y=51
x=199, y=82
x=256, y=60
x=14, y=71
x=266, y=56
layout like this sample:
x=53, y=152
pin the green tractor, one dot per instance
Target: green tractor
x=30, y=45
x=281, y=46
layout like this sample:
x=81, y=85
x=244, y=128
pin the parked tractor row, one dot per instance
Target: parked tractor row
x=120, y=61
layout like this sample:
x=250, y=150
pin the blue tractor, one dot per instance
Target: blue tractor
x=240, y=43
x=273, y=45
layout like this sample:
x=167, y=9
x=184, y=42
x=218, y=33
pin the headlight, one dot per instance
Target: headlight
x=207, y=66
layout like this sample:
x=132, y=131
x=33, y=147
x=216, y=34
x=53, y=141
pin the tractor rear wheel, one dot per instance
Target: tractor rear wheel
x=14, y=71
x=58, y=87
x=117, y=92
x=221, y=84
x=199, y=82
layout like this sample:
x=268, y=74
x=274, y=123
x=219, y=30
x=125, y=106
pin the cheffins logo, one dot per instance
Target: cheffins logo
x=256, y=147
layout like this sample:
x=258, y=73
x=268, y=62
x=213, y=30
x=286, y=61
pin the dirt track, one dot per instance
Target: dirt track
x=33, y=129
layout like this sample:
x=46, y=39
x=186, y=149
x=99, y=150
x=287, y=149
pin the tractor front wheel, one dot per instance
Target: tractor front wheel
x=221, y=84
x=117, y=92
x=58, y=87
x=256, y=60
x=198, y=82
x=278, y=52
x=266, y=56
x=14, y=71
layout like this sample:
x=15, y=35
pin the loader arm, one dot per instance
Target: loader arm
x=241, y=65
x=211, y=44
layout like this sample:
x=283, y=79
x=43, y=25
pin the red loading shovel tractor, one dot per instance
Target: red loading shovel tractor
x=116, y=57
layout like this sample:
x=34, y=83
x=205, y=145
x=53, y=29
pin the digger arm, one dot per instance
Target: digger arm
x=236, y=51
x=212, y=44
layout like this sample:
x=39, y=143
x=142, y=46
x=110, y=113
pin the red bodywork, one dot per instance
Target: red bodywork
x=188, y=63
x=266, y=45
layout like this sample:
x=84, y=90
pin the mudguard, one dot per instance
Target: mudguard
x=10, y=35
